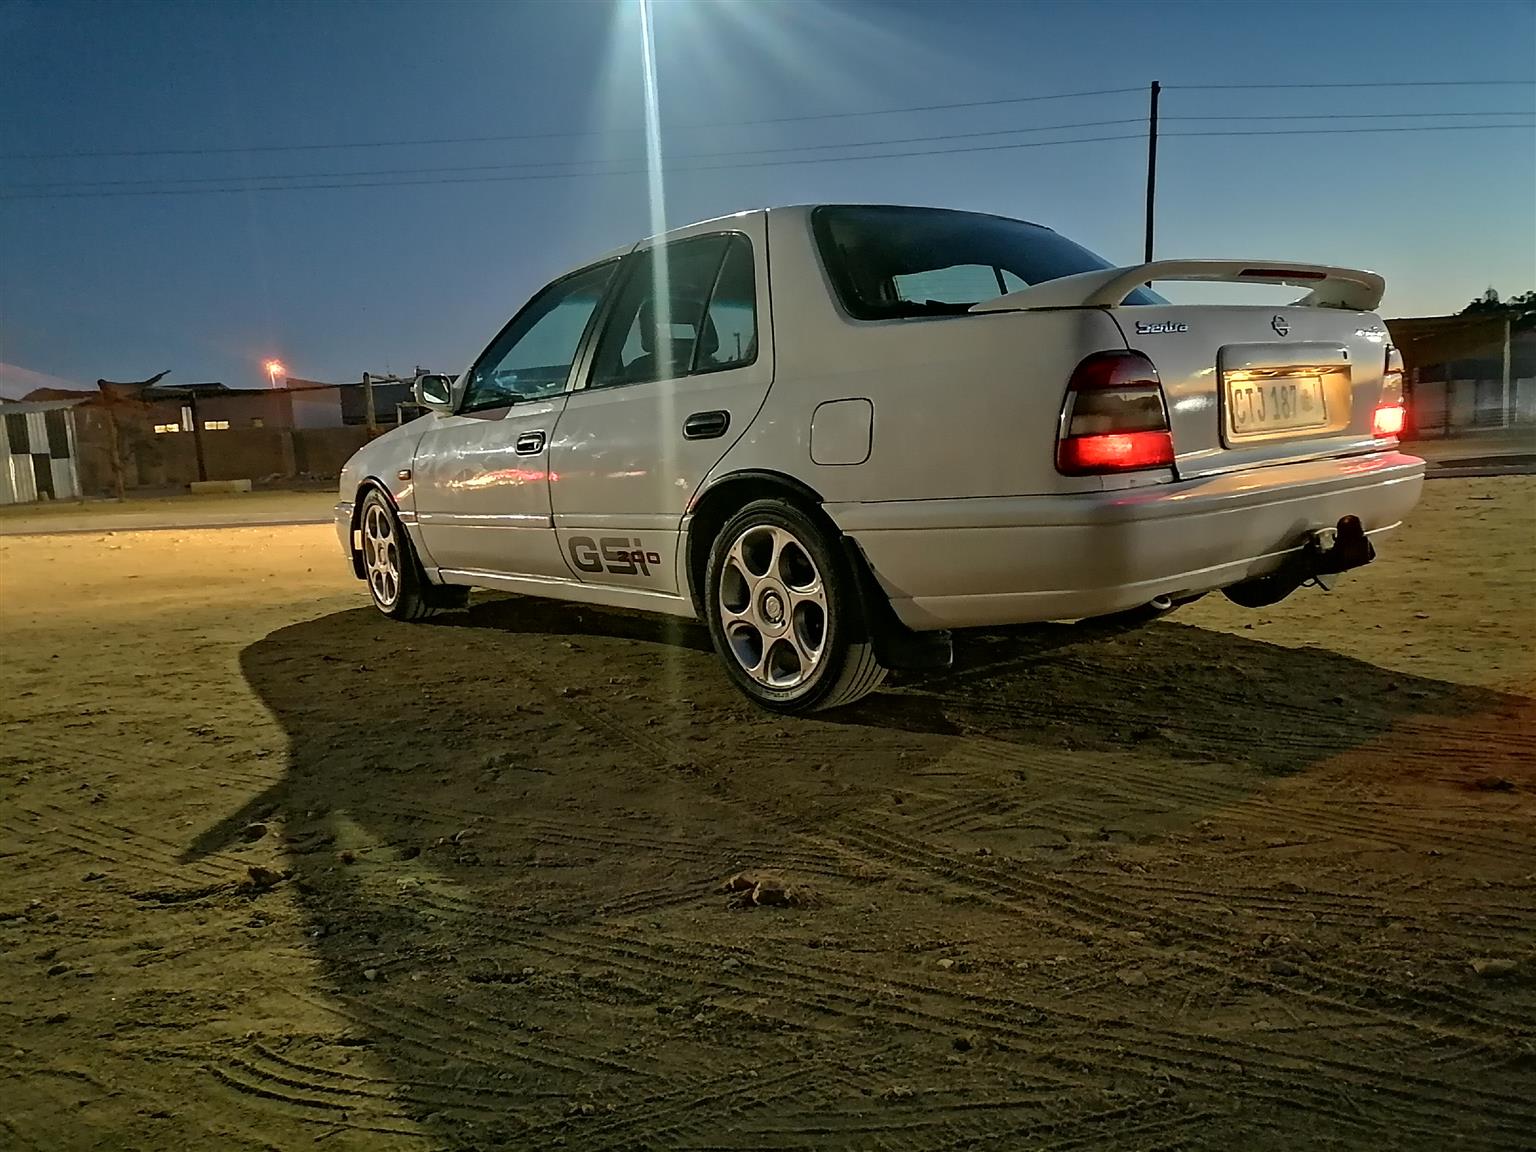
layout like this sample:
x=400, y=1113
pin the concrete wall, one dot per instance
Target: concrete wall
x=316, y=408
x=322, y=451
x=169, y=459
x=249, y=454
x=273, y=409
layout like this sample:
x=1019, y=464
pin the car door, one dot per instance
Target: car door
x=481, y=475
x=677, y=372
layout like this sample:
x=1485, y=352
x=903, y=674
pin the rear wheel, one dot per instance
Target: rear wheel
x=783, y=612
x=396, y=582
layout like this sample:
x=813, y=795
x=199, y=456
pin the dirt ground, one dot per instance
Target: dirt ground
x=209, y=510
x=276, y=872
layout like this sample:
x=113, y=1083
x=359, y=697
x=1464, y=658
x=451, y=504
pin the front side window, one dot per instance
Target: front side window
x=887, y=263
x=532, y=357
x=694, y=310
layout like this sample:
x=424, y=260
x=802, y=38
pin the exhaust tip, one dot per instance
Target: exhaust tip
x=1160, y=603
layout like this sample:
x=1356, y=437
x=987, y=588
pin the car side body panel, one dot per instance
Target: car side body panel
x=622, y=469
x=482, y=501
x=380, y=461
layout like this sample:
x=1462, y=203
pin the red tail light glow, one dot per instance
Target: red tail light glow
x=1115, y=452
x=1114, y=418
x=1390, y=413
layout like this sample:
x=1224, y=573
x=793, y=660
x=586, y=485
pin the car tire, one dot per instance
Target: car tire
x=784, y=614
x=396, y=582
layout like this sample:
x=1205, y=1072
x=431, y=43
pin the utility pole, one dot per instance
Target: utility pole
x=1152, y=166
x=373, y=426
x=1505, y=417
x=197, y=435
x=117, y=451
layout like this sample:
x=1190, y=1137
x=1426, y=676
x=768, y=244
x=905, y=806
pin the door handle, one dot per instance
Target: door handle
x=530, y=444
x=706, y=425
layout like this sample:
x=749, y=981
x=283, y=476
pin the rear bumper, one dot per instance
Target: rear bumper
x=1011, y=560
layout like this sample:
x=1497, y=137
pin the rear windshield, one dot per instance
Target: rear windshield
x=887, y=263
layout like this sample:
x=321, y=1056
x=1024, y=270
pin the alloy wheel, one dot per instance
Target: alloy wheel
x=773, y=607
x=381, y=554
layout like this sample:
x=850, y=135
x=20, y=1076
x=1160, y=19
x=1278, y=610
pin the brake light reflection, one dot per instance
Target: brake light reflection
x=1389, y=420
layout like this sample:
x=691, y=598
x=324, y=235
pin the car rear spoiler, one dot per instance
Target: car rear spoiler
x=1331, y=287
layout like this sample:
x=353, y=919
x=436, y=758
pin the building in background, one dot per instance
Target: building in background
x=320, y=405
x=65, y=443
x=1468, y=372
x=37, y=451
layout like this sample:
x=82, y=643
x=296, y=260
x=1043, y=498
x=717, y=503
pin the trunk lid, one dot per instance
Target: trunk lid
x=1248, y=386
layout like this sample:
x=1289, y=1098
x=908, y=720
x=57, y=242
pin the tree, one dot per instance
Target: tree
x=1489, y=302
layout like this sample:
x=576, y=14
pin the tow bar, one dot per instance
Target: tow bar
x=1332, y=550
x=1327, y=552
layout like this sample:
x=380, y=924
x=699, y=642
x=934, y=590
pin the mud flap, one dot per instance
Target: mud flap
x=896, y=646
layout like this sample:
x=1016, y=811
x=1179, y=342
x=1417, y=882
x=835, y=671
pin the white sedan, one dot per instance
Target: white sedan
x=837, y=433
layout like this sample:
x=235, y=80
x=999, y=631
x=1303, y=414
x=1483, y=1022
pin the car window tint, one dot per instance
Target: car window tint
x=732, y=312
x=532, y=357
x=888, y=262
x=660, y=319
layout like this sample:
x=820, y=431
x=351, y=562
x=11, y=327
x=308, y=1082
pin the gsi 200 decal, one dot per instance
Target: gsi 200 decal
x=618, y=554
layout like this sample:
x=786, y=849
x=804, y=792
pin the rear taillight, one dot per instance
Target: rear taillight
x=1114, y=418
x=1391, y=415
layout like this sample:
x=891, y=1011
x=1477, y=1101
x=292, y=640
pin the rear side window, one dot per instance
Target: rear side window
x=695, y=313
x=733, y=311
x=887, y=263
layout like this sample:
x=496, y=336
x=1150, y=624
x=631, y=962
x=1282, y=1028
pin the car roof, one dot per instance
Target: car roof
x=802, y=210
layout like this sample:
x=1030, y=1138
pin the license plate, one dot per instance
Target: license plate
x=1274, y=404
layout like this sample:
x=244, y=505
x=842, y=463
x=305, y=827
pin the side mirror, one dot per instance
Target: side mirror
x=435, y=391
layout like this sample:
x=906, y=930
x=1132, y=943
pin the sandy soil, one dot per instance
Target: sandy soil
x=276, y=872
x=156, y=511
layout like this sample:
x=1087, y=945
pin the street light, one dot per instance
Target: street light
x=274, y=368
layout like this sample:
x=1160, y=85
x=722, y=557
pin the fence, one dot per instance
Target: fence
x=1439, y=408
x=158, y=460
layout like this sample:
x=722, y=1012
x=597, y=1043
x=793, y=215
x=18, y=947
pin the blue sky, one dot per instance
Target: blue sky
x=338, y=281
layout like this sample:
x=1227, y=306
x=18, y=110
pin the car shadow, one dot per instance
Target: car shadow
x=505, y=832
x=534, y=617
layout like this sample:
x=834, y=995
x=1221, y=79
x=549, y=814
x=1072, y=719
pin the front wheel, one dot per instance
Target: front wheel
x=783, y=612
x=396, y=582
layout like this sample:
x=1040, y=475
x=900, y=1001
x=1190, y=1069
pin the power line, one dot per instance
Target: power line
x=815, y=116
x=534, y=165
x=341, y=184
x=1365, y=84
x=1349, y=115
x=1352, y=131
x=569, y=175
x=144, y=152
x=542, y=165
